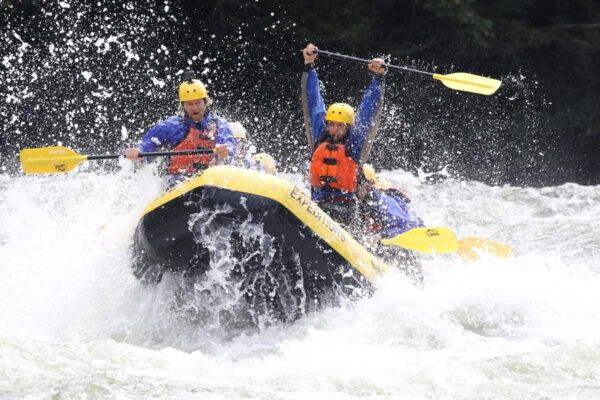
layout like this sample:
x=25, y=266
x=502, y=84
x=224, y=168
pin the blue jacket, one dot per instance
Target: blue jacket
x=357, y=134
x=394, y=216
x=173, y=130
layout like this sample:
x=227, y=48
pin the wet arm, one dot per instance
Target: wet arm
x=163, y=134
x=316, y=106
x=365, y=115
x=225, y=136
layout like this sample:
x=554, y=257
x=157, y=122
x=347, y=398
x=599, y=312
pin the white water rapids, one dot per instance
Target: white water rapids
x=76, y=324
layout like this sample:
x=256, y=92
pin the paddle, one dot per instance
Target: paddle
x=59, y=159
x=443, y=240
x=470, y=247
x=457, y=81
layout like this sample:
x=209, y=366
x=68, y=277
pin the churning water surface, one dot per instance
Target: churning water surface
x=76, y=323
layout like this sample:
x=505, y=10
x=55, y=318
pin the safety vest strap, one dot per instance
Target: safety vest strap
x=195, y=139
x=331, y=167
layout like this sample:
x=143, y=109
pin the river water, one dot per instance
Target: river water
x=76, y=324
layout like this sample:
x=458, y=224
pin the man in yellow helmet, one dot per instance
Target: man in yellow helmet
x=264, y=162
x=339, y=138
x=245, y=156
x=243, y=148
x=198, y=128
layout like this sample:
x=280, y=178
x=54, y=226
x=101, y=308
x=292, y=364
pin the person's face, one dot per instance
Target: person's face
x=337, y=130
x=195, y=109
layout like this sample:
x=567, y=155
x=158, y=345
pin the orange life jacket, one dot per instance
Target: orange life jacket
x=330, y=166
x=195, y=139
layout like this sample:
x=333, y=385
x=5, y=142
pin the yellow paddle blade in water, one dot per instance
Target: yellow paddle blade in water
x=426, y=240
x=470, y=247
x=469, y=83
x=49, y=160
x=443, y=240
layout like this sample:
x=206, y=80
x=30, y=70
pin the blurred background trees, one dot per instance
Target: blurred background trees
x=542, y=128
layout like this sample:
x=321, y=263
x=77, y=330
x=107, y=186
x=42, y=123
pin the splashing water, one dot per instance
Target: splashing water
x=95, y=77
x=76, y=321
x=65, y=69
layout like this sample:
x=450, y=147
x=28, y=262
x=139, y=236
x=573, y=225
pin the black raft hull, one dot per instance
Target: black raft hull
x=254, y=238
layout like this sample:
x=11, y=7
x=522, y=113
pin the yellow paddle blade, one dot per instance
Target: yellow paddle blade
x=470, y=247
x=369, y=172
x=426, y=240
x=469, y=83
x=49, y=160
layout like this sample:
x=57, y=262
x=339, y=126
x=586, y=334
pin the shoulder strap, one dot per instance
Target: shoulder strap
x=305, y=111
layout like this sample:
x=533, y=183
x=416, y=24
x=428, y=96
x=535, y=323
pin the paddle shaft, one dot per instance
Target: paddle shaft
x=153, y=154
x=59, y=159
x=363, y=61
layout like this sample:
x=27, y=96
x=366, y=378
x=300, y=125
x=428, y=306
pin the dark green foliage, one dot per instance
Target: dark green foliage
x=543, y=127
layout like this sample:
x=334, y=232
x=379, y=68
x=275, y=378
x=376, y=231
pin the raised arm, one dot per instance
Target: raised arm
x=369, y=114
x=167, y=133
x=225, y=138
x=313, y=106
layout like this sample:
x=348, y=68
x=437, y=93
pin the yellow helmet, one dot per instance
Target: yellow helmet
x=369, y=172
x=192, y=90
x=266, y=161
x=340, y=112
x=238, y=130
x=373, y=179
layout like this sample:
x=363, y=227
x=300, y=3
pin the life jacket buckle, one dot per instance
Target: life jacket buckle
x=328, y=179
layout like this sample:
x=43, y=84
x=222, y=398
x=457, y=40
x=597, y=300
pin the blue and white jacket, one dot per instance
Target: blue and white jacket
x=173, y=130
x=393, y=214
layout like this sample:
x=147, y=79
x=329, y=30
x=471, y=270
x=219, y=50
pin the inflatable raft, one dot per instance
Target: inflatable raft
x=260, y=237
